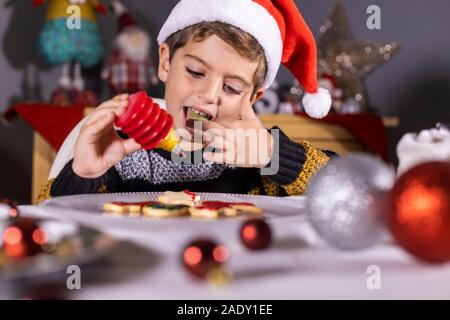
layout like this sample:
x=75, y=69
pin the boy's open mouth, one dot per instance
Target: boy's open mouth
x=191, y=113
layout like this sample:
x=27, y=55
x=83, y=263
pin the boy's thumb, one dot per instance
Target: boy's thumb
x=247, y=112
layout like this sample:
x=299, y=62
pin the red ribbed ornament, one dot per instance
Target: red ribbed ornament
x=147, y=123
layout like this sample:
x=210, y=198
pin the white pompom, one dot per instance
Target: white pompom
x=317, y=105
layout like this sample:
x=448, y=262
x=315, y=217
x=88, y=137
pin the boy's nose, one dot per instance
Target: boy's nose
x=209, y=91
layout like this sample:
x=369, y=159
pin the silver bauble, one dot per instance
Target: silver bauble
x=346, y=200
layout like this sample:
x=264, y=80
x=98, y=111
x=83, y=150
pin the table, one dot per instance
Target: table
x=298, y=266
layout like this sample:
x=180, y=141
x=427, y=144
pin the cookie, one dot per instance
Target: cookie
x=165, y=210
x=115, y=208
x=179, y=198
x=130, y=209
x=247, y=208
x=208, y=212
x=217, y=209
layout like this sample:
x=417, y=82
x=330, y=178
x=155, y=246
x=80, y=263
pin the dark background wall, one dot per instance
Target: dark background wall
x=414, y=86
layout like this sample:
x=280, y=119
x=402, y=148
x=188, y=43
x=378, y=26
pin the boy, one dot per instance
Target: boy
x=216, y=58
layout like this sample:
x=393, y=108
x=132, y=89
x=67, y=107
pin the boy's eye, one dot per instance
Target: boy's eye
x=231, y=89
x=196, y=75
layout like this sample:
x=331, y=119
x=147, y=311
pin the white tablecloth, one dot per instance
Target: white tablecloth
x=297, y=266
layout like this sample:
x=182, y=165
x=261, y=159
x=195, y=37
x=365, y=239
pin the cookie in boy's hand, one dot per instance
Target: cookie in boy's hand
x=192, y=114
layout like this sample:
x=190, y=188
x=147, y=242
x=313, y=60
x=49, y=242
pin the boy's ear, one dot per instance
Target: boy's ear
x=164, y=62
x=257, y=95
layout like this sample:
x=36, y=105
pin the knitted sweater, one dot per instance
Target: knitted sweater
x=145, y=171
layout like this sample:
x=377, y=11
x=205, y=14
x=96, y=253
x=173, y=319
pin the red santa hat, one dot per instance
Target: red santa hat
x=125, y=20
x=279, y=28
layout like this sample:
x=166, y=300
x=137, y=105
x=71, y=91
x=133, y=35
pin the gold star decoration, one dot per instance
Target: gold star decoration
x=347, y=59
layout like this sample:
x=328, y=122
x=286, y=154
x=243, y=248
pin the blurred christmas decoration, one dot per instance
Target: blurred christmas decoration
x=269, y=103
x=346, y=200
x=204, y=258
x=290, y=97
x=87, y=98
x=218, y=277
x=4, y=209
x=22, y=238
x=37, y=247
x=71, y=35
x=350, y=106
x=130, y=67
x=347, y=60
x=8, y=209
x=255, y=234
x=419, y=211
x=328, y=82
x=63, y=98
x=429, y=145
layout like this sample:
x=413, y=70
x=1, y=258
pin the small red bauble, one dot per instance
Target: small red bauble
x=419, y=211
x=22, y=238
x=256, y=234
x=201, y=256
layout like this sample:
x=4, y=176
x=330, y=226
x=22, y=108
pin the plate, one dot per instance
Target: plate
x=87, y=209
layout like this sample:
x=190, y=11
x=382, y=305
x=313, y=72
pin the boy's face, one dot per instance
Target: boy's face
x=208, y=77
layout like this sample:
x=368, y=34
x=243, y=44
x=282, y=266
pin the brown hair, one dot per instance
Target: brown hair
x=244, y=43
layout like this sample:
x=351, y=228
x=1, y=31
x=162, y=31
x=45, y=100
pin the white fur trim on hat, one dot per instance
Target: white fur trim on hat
x=247, y=15
x=317, y=105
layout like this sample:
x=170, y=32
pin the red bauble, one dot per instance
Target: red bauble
x=22, y=238
x=201, y=256
x=419, y=211
x=255, y=234
x=86, y=98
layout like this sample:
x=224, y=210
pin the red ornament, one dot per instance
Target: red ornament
x=256, y=234
x=86, y=98
x=202, y=256
x=419, y=211
x=13, y=213
x=61, y=97
x=23, y=238
x=145, y=121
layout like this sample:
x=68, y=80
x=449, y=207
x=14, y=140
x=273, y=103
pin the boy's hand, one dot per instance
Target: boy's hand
x=98, y=146
x=242, y=143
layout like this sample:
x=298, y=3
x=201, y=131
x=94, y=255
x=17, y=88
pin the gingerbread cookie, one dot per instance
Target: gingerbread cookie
x=179, y=198
x=217, y=209
x=130, y=209
x=161, y=210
